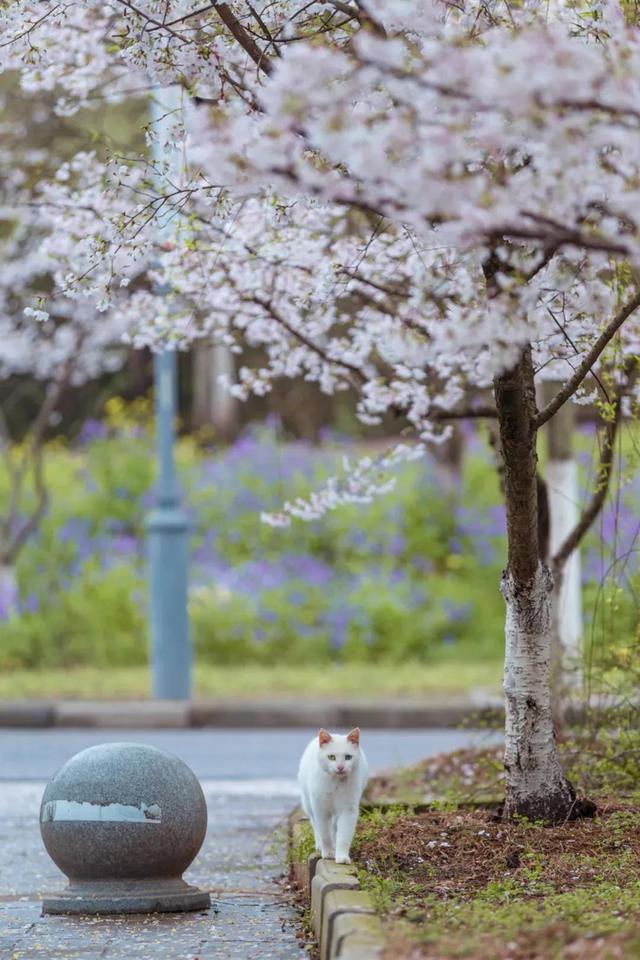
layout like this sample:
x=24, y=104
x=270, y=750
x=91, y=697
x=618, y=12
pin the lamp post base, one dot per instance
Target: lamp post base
x=127, y=896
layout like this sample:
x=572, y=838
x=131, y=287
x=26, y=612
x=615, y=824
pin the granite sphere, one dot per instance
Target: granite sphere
x=123, y=811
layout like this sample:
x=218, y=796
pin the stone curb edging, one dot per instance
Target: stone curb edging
x=388, y=714
x=342, y=915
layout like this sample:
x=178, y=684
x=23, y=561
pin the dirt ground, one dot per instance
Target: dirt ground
x=456, y=882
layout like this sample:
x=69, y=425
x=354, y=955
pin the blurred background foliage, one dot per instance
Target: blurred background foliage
x=412, y=577
x=393, y=580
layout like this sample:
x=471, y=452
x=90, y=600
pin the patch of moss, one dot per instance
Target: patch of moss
x=505, y=910
x=303, y=844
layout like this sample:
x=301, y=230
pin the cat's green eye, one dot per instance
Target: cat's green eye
x=331, y=756
x=348, y=756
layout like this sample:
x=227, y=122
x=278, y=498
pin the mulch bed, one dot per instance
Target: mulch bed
x=453, y=856
x=467, y=849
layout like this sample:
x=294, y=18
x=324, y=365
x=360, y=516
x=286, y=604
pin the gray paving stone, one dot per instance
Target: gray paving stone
x=242, y=856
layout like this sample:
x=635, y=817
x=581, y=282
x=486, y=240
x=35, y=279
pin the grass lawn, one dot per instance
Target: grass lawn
x=453, y=881
x=324, y=680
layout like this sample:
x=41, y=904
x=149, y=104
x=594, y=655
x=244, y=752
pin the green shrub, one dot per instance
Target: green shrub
x=412, y=576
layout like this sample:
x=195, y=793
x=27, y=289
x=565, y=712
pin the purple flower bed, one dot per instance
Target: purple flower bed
x=414, y=573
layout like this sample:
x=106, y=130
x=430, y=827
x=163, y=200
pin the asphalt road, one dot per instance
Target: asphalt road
x=217, y=754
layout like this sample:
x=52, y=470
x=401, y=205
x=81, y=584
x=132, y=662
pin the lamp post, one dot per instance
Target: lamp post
x=167, y=525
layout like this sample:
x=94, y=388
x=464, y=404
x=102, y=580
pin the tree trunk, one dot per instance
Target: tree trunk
x=449, y=457
x=213, y=405
x=536, y=786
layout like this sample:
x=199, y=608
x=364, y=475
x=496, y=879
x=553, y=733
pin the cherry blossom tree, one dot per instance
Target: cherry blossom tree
x=431, y=206
x=60, y=348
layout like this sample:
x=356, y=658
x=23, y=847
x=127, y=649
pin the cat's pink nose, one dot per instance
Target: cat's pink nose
x=341, y=768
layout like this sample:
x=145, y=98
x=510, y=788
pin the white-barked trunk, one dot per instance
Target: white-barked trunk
x=536, y=786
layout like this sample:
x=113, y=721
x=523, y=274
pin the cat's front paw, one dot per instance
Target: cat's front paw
x=328, y=854
x=344, y=858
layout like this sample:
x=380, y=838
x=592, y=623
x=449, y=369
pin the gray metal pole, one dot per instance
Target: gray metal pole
x=167, y=525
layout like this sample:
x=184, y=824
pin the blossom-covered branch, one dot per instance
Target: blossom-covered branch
x=586, y=366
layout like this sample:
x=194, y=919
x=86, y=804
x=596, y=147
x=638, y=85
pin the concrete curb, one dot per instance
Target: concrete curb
x=390, y=714
x=343, y=918
x=27, y=714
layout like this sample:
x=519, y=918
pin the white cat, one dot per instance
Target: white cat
x=333, y=773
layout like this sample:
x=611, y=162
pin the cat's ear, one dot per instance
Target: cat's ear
x=354, y=736
x=324, y=737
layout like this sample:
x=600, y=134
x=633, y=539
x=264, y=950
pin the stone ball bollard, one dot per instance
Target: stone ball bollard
x=123, y=821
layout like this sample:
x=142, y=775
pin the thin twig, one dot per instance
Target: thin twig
x=583, y=370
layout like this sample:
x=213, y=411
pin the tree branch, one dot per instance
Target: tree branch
x=183, y=19
x=345, y=8
x=32, y=26
x=466, y=413
x=231, y=22
x=24, y=531
x=15, y=473
x=31, y=524
x=149, y=19
x=592, y=510
x=267, y=35
x=245, y=40
x=584, y=368
x=396, y=291
x=355, y=372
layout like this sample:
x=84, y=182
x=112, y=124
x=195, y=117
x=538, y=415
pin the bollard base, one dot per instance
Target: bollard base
x=127, y=896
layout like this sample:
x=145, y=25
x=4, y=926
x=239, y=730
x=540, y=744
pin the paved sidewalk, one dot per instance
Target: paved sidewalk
x=242, y=855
